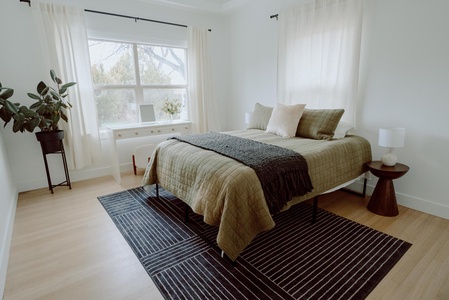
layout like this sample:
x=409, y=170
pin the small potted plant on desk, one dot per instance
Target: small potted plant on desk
x=171, y=107
x=50, y=107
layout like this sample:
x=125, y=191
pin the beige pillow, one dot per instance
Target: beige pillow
x=284, y=119
x=319, y=124
x=260, y=117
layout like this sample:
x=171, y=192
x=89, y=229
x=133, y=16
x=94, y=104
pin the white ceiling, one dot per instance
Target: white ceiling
x=205, y=5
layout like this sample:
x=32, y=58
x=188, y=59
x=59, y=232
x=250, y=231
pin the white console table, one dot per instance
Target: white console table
x=115, y=133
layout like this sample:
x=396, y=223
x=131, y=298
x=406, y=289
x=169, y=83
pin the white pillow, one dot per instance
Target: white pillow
x=343, y=129
x=285, y=119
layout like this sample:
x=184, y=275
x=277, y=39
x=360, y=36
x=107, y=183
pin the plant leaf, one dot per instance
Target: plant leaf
x=67, y=85
x=55, y=95
x=42, y=124
x=42, y=108
x=35, y=122
x=53, y=75
x=41, y=87
x=56, y=119
x=29, y=113
x=27, y=127
x=45, y=91
x=7, y=94
x=36, y=104
x=4, y=115
x=11, y=107
x=64, y=117
x=17, y=126
x=19, y=117
x=23, y=109
x=34, y=96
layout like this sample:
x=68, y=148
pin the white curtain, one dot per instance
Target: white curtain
x=202, y=108
x=64, y=41
x=319, y=54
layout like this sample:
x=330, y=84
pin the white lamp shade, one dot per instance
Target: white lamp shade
x=248, y=116
x=391, y=137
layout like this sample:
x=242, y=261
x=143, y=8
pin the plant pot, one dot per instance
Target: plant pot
x=51, y=142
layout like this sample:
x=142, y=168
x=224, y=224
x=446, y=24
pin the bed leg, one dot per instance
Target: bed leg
x=157, y=191
x=315, y=209
x=186, y=216
x=226, y=258
x=364, y=186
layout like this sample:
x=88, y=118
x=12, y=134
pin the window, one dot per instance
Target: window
x=319, y=55
x=126, y=75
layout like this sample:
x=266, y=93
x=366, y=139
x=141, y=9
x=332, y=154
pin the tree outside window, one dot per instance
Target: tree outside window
x=126, y=75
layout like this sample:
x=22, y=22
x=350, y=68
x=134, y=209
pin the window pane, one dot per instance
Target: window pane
x=162, y=65
x=116, y=106
x=112, y=63
x=157, y=97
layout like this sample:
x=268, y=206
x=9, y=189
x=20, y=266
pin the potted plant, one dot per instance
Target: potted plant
x=50, y=107
x=171, y=107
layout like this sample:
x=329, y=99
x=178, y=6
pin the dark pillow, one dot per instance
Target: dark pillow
x=319, y=124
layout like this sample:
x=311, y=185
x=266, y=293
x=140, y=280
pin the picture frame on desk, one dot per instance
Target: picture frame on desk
x=147, y=114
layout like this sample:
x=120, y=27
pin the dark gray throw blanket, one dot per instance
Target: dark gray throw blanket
x=283, y=173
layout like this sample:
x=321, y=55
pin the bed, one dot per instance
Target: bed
x=228, y=194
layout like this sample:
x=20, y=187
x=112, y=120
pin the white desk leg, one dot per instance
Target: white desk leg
x=114, y=160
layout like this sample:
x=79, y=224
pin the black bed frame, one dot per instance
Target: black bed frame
x=314, y=211
x=315, y=202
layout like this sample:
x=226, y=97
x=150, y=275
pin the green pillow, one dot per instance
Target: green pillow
x=260, y=117
x=319, y=124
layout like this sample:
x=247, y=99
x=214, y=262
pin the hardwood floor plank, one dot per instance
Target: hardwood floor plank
x=65, y=246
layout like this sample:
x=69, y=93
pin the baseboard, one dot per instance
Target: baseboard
x=422, y=205
x=75, y=175
x=6, y=243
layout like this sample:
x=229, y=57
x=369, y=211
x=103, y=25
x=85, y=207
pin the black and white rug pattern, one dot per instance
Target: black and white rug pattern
x=332, y=259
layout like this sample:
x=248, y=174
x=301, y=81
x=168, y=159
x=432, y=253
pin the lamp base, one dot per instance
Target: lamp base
x=389, y=159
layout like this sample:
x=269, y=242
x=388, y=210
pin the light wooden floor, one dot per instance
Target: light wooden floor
x=65, y=246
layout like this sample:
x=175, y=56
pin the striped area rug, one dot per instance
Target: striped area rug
x=332, y=259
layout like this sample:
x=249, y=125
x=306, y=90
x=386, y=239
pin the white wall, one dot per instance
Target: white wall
x=404, y=82
x=22, y=68
x=8, y=203
x=8, y=188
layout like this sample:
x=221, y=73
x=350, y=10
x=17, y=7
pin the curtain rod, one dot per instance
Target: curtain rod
x=274, y=16
x=125, y=16
x=134, y=18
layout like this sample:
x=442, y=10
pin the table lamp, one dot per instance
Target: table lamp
x=248, y=116
x=391, y=137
